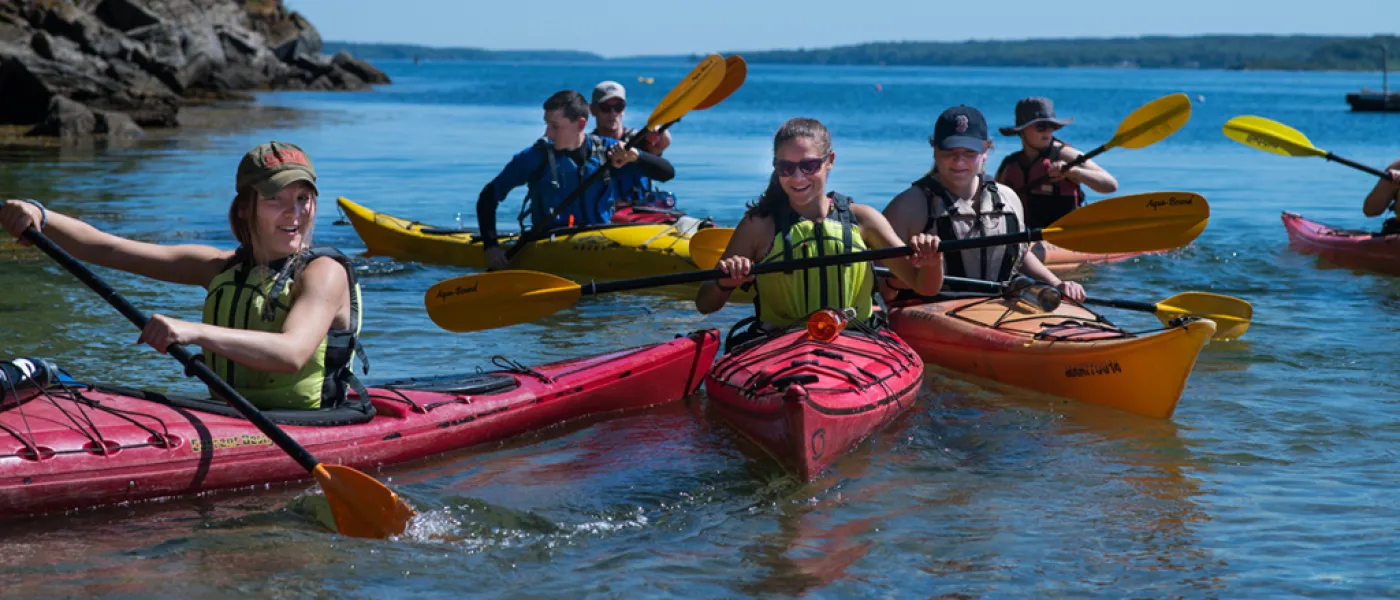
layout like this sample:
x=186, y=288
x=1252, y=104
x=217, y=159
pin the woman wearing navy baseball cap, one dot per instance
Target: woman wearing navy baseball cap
x=956, y=201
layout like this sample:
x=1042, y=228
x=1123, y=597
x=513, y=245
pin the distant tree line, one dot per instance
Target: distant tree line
x=1296, y=52
x=372, y=51
x=1281, y=52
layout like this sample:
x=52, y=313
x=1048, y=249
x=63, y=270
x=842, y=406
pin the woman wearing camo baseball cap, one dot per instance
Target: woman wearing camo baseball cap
x=281, y=320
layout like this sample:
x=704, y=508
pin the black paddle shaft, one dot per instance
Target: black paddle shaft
x=590, y=289
x=1146, y=307
x=200, y=370
x=992, y=287
x=526, y=239
x=1357, y=165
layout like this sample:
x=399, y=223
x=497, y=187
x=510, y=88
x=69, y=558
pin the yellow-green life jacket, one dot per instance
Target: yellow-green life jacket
x=785, y=298
x=258, y=298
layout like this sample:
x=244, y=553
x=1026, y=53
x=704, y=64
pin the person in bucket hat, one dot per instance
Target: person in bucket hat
x=1034, y=111
x=281, y=320
x=1037, y=171
x=956, y=200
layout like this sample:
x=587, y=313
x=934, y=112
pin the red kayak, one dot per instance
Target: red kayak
x=806, y=401
x=644, y=214
x=1346, y=248
x=662, y=216
x=70, y=445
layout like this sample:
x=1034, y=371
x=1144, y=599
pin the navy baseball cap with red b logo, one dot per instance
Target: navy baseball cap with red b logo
x=960, y=127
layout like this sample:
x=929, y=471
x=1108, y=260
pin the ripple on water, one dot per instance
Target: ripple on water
x=1274, y=478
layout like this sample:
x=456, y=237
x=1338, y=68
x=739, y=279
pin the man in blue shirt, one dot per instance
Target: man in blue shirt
x=556, y=165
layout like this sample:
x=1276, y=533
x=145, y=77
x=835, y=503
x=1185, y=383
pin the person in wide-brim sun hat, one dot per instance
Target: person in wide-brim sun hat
x=1034, y=111
x=1038, y=173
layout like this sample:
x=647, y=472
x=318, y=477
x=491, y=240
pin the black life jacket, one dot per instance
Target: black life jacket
x=942, y=210
x=596, y=157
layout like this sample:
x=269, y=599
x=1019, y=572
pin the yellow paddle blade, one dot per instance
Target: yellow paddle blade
x=691, y=91
x=490, y=300
x=1231, y=315
x=1152, y=122
x=708, y=245
x=362, y=506
x=1270, y=136
x=735, y=71
x=1136, y=223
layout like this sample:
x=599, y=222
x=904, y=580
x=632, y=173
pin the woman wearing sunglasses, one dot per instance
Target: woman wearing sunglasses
x=796, y=217
x=1041, y=161
x=956, y=201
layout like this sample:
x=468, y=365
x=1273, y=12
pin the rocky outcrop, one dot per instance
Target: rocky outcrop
x=78, y=68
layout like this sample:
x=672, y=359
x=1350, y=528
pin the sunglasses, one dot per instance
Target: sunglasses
x=1043, y=126
x=612, y=107
x=809, y=166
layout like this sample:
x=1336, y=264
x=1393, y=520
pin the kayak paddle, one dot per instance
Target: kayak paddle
x=736, y=70
x=1231, y=315
x=1272, y=136
x=707, y=84
x=1141, y=222
x=361, y=505
x=1149, y=124
x=1135, y=223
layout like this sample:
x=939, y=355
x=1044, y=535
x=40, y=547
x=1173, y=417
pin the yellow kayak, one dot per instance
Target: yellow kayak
x=1070, y=352
x=608, y=251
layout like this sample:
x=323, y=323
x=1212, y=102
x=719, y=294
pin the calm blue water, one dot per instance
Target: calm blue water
x=1275, y=477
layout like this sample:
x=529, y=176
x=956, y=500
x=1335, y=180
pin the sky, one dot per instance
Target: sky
x=630, y=28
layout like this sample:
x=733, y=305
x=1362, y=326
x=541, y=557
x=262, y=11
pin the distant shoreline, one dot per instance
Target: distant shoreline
x=1206, y=52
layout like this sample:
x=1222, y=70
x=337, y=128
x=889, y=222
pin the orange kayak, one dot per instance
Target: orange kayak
x=1070, y=352
x=1061, y=260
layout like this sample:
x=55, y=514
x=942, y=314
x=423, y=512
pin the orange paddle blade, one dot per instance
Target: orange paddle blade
x=362, y=506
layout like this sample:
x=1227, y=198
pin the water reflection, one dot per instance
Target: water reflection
x=813, y=547
x=1020, y=458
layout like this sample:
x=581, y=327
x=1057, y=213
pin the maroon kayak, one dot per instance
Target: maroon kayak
x=646, y=214
x=1343, y=247
x=70, y=445
x=661, y=216
x=807, y=402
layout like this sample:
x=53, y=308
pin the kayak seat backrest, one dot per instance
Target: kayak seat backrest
x=470, y=384
x=352, y=412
